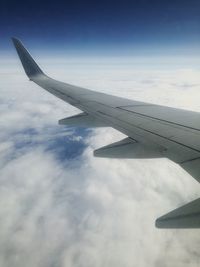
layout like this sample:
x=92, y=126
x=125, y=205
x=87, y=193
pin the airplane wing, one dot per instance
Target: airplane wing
x=152, y=131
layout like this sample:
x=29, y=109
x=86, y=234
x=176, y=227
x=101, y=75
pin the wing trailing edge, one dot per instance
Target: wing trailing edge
x=192, y=167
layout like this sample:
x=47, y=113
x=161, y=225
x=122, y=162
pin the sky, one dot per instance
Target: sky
x=60, y=206
x=115, y=27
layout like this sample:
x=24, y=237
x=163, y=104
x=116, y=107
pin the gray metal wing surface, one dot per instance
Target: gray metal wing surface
x=152, y=131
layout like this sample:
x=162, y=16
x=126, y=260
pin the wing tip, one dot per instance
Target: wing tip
x=16, y=41
x=30, y=66
x=13, y=38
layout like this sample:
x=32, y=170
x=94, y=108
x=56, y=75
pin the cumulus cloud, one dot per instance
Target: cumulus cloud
x=60, y=206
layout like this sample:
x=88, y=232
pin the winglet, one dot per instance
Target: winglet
x=30, y=66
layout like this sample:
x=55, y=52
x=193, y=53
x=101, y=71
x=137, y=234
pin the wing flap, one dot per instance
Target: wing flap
x=128, y=148
x=187, y=216
x=82, y=120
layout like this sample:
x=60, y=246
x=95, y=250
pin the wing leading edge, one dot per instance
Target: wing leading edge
x=152, y=130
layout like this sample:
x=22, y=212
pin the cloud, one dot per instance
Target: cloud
x=60, y=206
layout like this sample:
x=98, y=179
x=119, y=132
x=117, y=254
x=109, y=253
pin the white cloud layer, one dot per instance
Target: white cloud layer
x=84, y=211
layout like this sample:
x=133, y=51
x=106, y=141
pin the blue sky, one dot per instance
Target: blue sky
x=111, y=27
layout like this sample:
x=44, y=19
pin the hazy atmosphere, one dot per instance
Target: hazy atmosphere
x=60, y=206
